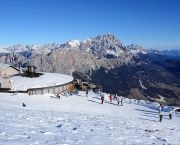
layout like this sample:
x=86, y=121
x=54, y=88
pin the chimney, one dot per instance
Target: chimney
x=31, y=69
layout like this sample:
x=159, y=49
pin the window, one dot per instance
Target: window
x=38, y=92
x=30, y=92
x=45, y=91
x=51, y=91
x=64, y=87
x=60, y=88
x=56, y=89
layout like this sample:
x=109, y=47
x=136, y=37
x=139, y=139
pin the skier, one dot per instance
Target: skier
x=94, y=90
x=23, y=104
x=86, y=93
x=110, y=97
x=102, y=98
x=115, y=97
x=170, y=113
x=58, y=96
x=118, y=100
x=121, y=102
x=160, y=116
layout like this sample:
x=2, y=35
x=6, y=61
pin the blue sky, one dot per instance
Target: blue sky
x=147, y=23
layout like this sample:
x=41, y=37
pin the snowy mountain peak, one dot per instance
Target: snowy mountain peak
x=100, y=46
x=74, y=43
x=106, y=45
x=108, y=38
x=137, y=49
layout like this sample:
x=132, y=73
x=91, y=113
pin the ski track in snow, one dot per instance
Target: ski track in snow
x=29, y=126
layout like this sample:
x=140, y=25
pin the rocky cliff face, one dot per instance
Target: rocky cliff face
x=74, y=60
x=74, y=56
x=12, y=58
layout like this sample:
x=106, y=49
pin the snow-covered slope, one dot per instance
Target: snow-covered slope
x=80, y=120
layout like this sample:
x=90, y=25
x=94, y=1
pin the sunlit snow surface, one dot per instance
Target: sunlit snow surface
x=78, y=120
x=45, y=80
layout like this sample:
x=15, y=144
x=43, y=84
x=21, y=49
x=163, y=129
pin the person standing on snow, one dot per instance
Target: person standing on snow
x=160, y=116
x=115, y=97
x=110, y=97
x=121, y=102
x=118, y=100
x=86, y=93
x=102, y=98
x=170, y=113
x=58, y=96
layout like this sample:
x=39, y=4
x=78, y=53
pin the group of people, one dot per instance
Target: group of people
x=119, y=99
x=171, y=112
x=75, y=92
x=111, y=97
x=116, y=98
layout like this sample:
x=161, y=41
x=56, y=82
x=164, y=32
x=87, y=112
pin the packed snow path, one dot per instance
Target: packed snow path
x=80, y=120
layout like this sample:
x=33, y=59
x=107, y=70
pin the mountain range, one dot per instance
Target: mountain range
x=132, y=71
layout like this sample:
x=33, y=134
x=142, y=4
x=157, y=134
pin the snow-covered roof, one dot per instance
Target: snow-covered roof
x=45, y=80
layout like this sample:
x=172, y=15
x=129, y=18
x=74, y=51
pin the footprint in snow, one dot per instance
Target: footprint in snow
x=59, y=126
x=74, y=128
